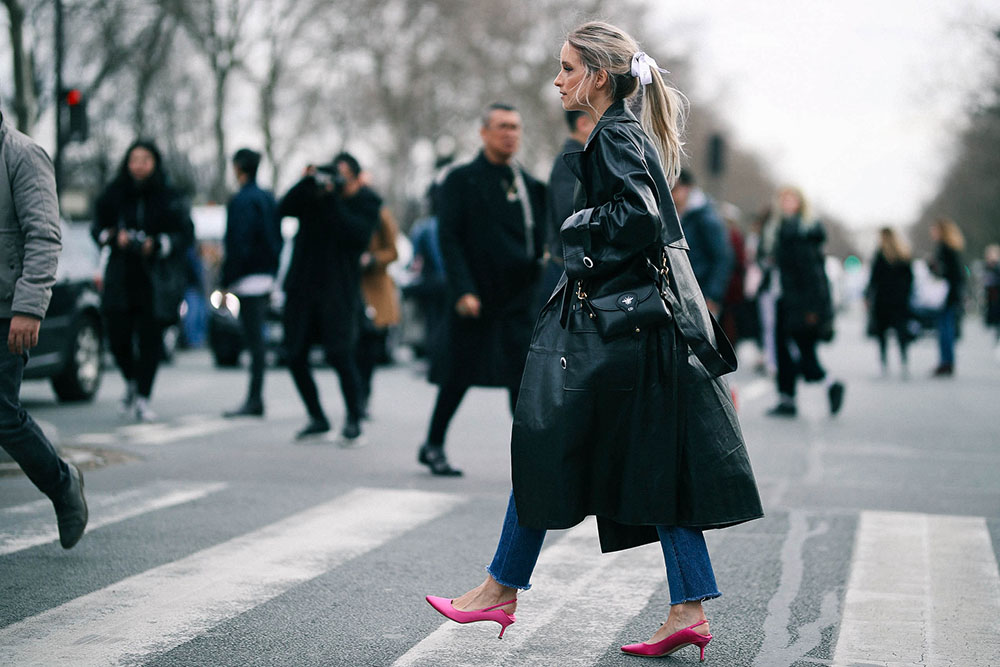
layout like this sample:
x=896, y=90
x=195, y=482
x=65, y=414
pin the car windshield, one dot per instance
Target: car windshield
x=80, y=258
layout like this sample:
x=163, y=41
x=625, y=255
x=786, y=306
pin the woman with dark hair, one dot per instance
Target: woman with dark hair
x=626, y=426
x=148, y=230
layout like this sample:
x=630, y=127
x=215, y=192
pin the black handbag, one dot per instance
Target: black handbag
x=626, y=312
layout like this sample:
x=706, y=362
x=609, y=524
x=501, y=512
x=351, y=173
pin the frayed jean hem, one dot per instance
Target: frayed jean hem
x=506, y=583
x=700, y=598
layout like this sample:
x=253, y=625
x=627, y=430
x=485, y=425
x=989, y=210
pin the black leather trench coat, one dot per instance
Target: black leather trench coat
x=633, y=430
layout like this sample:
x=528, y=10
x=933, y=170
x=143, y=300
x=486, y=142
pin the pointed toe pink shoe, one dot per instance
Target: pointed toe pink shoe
x=494, y=613
x=674, y=642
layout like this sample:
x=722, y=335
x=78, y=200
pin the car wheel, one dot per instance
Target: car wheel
x=81, y=377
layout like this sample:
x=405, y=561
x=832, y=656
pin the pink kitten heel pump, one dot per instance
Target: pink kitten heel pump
x=674, y=642
x=494, y=613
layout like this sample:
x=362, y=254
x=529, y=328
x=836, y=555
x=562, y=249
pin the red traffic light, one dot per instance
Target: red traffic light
x=73, y=97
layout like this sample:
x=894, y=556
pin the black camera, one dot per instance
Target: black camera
x=328, y=175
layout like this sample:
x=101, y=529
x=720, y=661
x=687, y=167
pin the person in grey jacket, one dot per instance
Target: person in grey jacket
x=30, y=241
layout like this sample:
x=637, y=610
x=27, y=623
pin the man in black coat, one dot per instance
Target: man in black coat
x=491, y=229
x=252, y=248
x=337, y=214
x=559, y=201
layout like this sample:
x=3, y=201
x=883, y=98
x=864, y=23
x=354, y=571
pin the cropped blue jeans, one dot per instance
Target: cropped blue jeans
x=689, y=569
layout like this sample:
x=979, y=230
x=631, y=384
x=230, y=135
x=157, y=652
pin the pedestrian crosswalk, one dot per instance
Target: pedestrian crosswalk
x=922, y=590
x=32, y=524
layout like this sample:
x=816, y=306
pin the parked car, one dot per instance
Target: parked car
x=70, y=341
x=225, y=334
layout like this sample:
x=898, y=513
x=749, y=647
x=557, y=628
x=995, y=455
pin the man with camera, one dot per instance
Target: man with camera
x=337, y=214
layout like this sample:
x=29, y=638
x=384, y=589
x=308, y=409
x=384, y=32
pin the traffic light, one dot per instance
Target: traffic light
x=76, y=104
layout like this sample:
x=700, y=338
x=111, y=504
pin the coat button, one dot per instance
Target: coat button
x=562, y=362
x=588, y=262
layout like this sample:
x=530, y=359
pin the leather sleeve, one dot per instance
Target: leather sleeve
x=627, y=218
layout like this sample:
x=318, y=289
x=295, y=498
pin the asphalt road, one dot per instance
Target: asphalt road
x=216, y=542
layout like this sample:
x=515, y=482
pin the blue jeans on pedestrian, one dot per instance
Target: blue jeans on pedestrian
x=689, y=569
x=19, y=434
x=947, y=329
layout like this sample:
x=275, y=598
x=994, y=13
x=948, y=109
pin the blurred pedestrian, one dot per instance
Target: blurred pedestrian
x=991, y=288
x=710, y=252
x=337, y=215
x=148, y=228
x=621, y=427
x=736, y=322
x=559, y=201
x=381, y=300
x=491, y=229
x=888, y=296
x=429, y=287
x=804, y=308
x=761, y=288
x=947, y=264
x=30, y=241
x=252, y=247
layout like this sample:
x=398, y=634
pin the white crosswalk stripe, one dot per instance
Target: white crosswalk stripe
x=32, y=524
x=152, y=612
x=576, y=592
x=923, y=590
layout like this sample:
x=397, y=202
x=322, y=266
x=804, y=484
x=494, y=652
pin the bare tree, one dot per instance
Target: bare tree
x=969, y=192
x=24, y=92
x=217, y=29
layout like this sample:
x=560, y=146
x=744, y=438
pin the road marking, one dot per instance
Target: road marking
x=36, y=521
x=923, y=590
x=162, y=608
x=576, y=592
x=161, y=433
x=754, y=390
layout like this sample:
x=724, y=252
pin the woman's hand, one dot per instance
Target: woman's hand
x=468, y=305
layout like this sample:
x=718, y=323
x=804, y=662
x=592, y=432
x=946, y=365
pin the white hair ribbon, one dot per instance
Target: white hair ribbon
x=643, y=66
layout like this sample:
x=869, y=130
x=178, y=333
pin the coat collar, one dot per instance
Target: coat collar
x=616, y=113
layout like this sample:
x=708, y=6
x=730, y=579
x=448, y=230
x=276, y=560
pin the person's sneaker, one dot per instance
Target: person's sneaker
x=351, y=435
x=944, y=370
x=433, y=457
x=836, y=395
x=248, y=409
x=783, y=410
x=71, y=510
x=143, y=413
x=314, y=428
x=128, y=400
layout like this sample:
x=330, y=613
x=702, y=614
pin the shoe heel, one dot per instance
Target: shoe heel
x=508, y=620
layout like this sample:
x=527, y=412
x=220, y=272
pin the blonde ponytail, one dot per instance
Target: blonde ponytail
x=604, y=46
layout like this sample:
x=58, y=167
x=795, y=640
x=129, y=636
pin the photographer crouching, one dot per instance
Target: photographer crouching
x=337, y=214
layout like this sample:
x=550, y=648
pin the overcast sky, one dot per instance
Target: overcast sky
x=856, y=101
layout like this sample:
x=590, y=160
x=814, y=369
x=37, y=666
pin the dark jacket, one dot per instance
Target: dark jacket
x=154, y=210
x=252, y=243
x=486, y=252
x=888, y=293
x=323, y=283
x=559, y=201
x=806, y=303
x=631, y=429
x=709, y=250
x=947, y=264
x=30, y=236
